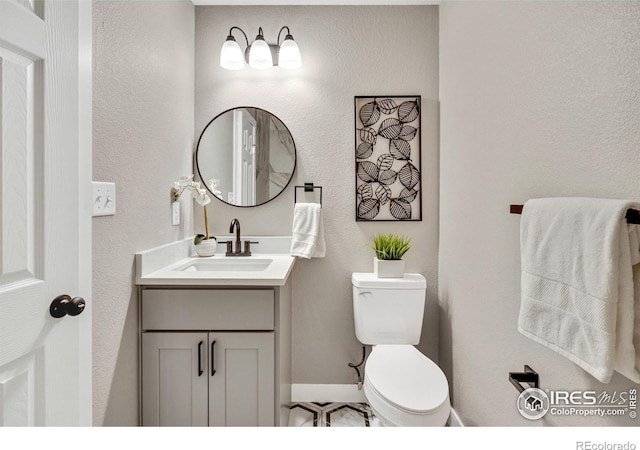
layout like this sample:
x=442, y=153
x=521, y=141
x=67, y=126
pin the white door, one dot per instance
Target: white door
x=45, y=368
x=244, y=158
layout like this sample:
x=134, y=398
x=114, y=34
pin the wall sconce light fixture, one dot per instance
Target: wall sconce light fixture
x=260, y=55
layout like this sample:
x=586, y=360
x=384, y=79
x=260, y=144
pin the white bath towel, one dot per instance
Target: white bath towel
x=578, y=295
x=308, y=231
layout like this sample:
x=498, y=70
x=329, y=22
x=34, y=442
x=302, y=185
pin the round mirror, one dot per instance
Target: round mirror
x=248, y=153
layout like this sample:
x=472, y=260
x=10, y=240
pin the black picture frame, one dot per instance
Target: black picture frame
x=388, y=157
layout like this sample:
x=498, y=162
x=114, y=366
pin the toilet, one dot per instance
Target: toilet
x=402, y=386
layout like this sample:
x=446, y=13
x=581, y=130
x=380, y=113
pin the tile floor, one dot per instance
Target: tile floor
x=332, y=415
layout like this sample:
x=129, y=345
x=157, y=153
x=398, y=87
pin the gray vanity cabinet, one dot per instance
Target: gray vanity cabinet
x=214, y=357
x=173, y=392
x=241, y=392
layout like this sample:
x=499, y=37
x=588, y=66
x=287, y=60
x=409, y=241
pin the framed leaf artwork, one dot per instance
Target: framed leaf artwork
x=387, y=149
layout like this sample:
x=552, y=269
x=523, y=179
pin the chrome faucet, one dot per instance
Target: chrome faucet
x=235, y=224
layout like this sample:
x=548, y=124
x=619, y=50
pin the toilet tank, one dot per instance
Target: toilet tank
x=388, y=310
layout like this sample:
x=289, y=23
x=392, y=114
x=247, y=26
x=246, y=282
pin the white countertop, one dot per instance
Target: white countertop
x=164, y=266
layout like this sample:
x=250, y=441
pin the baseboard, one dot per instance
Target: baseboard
x=347, y=393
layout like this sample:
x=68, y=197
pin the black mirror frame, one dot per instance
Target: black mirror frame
x=295, y=157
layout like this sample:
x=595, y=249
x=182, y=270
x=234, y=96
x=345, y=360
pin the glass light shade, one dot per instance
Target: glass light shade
x=260, y=54
x=289, y=55
x=231, y=56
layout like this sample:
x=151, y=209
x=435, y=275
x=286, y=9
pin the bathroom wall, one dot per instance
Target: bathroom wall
x=346, y=51
x=142, y=139
x=538, y=99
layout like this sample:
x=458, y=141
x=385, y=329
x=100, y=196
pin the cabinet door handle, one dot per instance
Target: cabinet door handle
x=213, y=367
x=200, y=371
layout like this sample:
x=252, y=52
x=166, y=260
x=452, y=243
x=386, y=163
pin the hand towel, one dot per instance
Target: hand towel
x=578, y=295
x=308, y=231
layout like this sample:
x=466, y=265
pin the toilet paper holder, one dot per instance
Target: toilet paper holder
x=529, y=376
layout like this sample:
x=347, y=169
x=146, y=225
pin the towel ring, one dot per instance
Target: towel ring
x=308, y=187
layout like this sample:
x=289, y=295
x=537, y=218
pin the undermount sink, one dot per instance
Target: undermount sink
x=175, y=264
x=226, y=264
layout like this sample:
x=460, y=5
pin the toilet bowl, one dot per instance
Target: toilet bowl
x=402, y=385
x=405, y=388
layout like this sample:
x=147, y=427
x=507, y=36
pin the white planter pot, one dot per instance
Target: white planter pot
x=388, y=268
x=207, y=247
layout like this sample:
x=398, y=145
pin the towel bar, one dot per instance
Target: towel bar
x=308, y=187
x=632, y=216
x=529, y=376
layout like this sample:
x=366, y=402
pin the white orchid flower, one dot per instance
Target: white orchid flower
x=213, y=187
x=199, y=194
x=201, y=197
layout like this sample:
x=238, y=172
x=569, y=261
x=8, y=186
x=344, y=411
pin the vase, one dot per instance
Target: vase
x=207, y=247
x=388, y=268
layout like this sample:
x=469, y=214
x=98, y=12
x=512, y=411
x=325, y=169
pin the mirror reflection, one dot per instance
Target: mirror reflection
x=250, y=154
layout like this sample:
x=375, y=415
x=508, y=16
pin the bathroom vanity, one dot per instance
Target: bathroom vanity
x=215, y=336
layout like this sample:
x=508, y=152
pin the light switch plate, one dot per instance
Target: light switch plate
x=104, y=198
x=175, y=213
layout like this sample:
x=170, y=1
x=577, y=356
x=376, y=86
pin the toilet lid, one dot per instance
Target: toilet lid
x=407, y=378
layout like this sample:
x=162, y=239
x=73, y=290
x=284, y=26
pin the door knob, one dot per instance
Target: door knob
x=64, y=305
